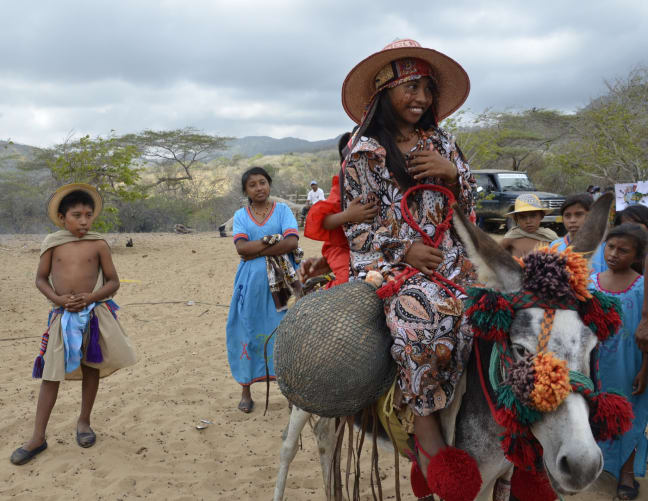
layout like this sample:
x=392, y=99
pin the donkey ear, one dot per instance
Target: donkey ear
x=496, y=268
x=591, y=234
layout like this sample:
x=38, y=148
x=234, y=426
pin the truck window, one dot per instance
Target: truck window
x=485, y=182
x=515, y=182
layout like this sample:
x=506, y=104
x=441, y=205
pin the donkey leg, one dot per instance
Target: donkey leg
x=298, y=419
x=325, y=435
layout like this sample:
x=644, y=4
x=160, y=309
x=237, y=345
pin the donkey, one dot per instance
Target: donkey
x=572, y=459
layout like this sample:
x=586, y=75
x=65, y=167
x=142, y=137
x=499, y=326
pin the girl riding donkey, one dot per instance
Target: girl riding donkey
x=398, y=96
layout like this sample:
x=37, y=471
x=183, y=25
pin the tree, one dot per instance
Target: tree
x=611, y=133
x=105, y=163
x=177, y=152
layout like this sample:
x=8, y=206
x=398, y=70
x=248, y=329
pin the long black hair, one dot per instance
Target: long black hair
x=383, y=128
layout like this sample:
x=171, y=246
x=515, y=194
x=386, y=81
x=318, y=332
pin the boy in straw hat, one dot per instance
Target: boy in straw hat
x=527, y=234
x=398, y=96
x=83, y=340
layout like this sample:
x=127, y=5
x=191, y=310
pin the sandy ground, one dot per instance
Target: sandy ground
x=145, y=416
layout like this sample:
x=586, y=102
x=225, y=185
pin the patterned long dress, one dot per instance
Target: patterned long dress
x=620, y=360
x=252, y=314
x=432, y=340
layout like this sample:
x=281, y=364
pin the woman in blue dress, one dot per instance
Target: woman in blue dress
x=264, y=228
x=623, y=367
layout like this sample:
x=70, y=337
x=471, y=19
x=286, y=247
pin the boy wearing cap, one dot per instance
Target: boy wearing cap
x=527, y=234
x=314, y=195
x=84, y=339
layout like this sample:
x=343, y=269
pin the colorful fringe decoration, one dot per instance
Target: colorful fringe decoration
x=490, y=314
x=39, y=361
x=602, y=314
x=93, y=351
x=611, y=416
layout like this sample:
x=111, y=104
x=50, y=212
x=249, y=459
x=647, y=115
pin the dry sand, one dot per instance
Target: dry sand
x=145, y=416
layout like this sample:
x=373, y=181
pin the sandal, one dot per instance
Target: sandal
x=21, y=456
x=626, y=492
x=86, y=439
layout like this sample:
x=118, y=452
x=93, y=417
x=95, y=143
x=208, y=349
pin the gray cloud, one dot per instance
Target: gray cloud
x=275, y=68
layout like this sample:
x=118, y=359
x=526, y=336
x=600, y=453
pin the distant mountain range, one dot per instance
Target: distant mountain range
x=247, y=146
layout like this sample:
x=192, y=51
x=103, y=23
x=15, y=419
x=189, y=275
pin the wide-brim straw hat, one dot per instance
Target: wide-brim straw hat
x=528, y=202
x=58, y=195
x=451, y=79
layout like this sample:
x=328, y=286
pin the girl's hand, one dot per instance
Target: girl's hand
x=357, y=212
x=430, y=163
x=423, y=257
x=640, y=382
x=312, y=267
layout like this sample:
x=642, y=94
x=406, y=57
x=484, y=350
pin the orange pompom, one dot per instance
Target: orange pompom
x=579, y=273
x=551, y=382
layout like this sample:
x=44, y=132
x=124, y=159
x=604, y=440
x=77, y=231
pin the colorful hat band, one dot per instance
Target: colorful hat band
x=401, y=71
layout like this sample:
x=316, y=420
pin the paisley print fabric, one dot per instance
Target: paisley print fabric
x=432, y=341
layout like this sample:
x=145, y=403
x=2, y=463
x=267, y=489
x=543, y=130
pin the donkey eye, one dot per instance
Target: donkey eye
x=520, y=350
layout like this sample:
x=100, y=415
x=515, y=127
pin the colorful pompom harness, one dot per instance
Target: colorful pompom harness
x=539, y=383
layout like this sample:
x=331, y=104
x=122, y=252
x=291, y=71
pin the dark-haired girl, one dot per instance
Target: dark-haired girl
x=623, y=367
x=264, y=228
x=398, y=96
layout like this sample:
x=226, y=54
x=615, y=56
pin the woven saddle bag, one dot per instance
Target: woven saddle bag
x=332, y=351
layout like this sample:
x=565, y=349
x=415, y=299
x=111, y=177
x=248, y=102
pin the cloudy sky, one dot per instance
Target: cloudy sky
x=268, y=67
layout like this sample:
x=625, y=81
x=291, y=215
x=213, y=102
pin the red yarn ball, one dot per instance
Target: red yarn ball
x=528, y=486
x=453, y=475
x=612, y=416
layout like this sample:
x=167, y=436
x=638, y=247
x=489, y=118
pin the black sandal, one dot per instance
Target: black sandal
x=626, y=492
x=22, y=456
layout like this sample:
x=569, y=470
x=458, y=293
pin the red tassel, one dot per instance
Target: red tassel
x=528, y=486
x=524, y=451
x=507, y=419
x=612, y=416
x=453, y=475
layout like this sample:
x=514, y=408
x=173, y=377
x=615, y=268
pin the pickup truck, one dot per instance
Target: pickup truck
x=496, y=194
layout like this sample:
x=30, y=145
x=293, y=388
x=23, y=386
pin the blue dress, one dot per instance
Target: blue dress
x=597, y=261
x=252, y=314
x=620, y=360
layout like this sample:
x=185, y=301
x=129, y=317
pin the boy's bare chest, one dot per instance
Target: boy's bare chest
x=84, y=256
x=522, y=246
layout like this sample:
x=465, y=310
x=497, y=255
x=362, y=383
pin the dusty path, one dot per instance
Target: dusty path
x=145, y=416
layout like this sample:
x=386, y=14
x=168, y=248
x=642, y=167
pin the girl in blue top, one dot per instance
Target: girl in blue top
x=264, y=228
x=623, y=367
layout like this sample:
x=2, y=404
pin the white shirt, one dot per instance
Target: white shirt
x=315, y=196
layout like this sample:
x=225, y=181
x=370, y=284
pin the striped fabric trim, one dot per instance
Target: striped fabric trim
x=238, y=236
x=291, y=231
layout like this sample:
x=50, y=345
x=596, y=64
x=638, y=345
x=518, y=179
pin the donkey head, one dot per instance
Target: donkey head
x=571, y=456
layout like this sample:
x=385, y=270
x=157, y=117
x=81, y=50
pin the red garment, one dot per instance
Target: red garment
x=336, y=247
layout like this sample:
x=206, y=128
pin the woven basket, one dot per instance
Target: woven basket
x=332, y=351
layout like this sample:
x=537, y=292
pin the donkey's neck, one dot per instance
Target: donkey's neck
x=476, y=431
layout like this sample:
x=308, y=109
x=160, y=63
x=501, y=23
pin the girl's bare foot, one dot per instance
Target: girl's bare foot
x=246, y=404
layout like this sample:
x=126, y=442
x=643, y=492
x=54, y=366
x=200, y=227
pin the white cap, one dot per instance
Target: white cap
x=313, y=182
